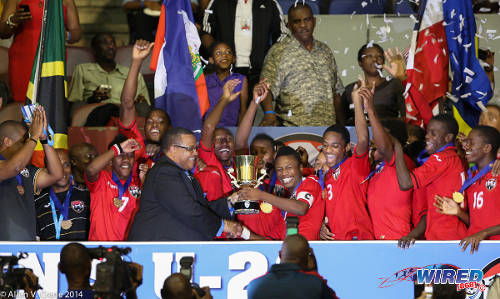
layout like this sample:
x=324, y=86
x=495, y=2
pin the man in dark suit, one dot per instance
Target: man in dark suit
x=172, y=206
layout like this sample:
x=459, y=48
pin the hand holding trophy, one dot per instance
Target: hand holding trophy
x=246, y=177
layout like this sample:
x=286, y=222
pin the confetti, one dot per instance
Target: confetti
x=364, y=4
x=387, y=20
x=491, y=31
x=484, y=21
x=344, y=73
x=367, y=20
x=495, y=69
x=289, y=113
x=452, y=14
x=436, y=85
x=458, y=87
x=346, y=50
x=407, y=36
x=468, y=79
x=484, y=9
x=481, y=106
x=451, y=97
x=436, y=58
x=370, y=44
x=466, y=95
x=413, y=18
x=421, y=87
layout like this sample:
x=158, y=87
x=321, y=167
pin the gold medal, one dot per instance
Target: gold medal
x=20, y=189
x=266, y=207
x=458, y=197
x=118, y=202
x=66, y=224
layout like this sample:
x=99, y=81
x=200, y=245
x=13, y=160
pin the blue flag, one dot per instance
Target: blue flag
x=180, y=87
x=470, y=84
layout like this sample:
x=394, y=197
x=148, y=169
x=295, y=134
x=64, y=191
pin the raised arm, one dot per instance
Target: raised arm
x=213, y=118
x=11, y=167
x=382, y=139
x=358, y=94
x=260, y=91
x=140, y=51
x=101, y=161
x=402, y=172
x=54, y=168
x=72, y=23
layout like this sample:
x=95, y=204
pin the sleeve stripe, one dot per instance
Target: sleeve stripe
x=126, y=128
x=206, y=25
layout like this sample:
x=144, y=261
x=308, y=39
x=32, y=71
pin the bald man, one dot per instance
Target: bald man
x=20, y=181
x=81, y=155
x=75, y=263
x=288, y=279
x=177, y=286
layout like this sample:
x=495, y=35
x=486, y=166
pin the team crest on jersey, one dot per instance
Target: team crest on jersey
x=25, y=172
x=134, y=191
x=491, y=184
x=336, y=173
x=78, y=206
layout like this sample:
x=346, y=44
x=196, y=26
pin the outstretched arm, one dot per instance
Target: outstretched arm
x=358, y=94
x=140, y=51
x=213, y=118
x=260, y=91
x=296, y=207
x=382, y=139
x=402, y=172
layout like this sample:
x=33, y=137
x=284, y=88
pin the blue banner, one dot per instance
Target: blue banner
x=362, y=269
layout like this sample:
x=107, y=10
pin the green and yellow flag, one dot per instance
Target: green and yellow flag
x=47, y=85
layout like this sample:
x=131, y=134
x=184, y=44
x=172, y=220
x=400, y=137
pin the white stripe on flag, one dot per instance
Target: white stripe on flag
x=160, y=81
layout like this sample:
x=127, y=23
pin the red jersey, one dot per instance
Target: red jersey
x=345, y=203
x=208, y=155
x=309, y=191
x=211, y=182
x=483, y=198
x=418, y=206
x=390, y=208
x=442, y=174
x=111, y=217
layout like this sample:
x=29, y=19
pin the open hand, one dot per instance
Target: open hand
x=446, y=205
x=141, y=49
x=473, y=241
x=325, y=233
x=130, y=145
x=396, y=65
x=228, y=90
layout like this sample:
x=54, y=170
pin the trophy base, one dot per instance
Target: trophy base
x=246, y=207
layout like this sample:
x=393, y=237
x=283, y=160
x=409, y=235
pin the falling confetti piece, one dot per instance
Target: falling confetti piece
x=484, y=9
x=491, y=31
x=421, y=87
x=468, y=79
x=481, y=106
x=387, y=20
x=370, y=44
x=407, y=36
x=451, y=97
x=346, y=50
x=364, y=4
x=466, y=95
x=436, y=58
x=495, y=69
x=344, y=73
x=436, y=85
x=413, y=18
x=458, y=87
x=289, y=113
x=452, y=14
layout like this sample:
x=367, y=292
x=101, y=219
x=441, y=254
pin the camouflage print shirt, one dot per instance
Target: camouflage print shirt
x=303, y=82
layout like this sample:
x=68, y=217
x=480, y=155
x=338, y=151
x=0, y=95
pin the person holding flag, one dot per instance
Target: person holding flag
x=114, y=195
x=480, y=190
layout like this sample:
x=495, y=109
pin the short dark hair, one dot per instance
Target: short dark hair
x=117, y=140
x=75, y=260
x=167, y=117
x=449, y=122
x=94, y=43
x=361, y=50
x=299, y=5
x=397, y=128
x=338, y=128
x=489, y=135
x=172, y=136
x=288, y=151
x=263, y=137
x=7, y=128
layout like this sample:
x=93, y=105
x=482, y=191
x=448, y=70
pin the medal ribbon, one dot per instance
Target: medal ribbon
x=121, y=188
x=471, y=180
x=377, y=169
x=422, y=157
x=19, y=178
x=63, y=209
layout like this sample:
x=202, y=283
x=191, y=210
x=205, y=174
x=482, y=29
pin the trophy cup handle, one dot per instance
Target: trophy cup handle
x=260, y=180
x=234, y=181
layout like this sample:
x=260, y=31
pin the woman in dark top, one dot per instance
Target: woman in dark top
x=388, y=98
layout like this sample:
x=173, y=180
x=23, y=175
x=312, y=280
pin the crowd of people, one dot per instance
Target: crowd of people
x=404, y=184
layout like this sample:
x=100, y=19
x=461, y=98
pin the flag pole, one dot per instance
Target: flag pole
x=41, y=42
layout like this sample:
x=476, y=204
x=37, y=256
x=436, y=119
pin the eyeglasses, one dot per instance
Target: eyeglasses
x=191, y=149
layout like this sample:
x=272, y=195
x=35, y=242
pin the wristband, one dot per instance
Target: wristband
x=69, y=36
x=33, y=139
x=44, y=141
x=245, y=234
x=117, y=149
x=9, y=22
x=270, y=112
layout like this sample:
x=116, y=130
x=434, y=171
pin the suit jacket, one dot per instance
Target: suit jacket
x=173, y=208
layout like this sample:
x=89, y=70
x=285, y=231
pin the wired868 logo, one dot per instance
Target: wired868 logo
x=468, y=279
